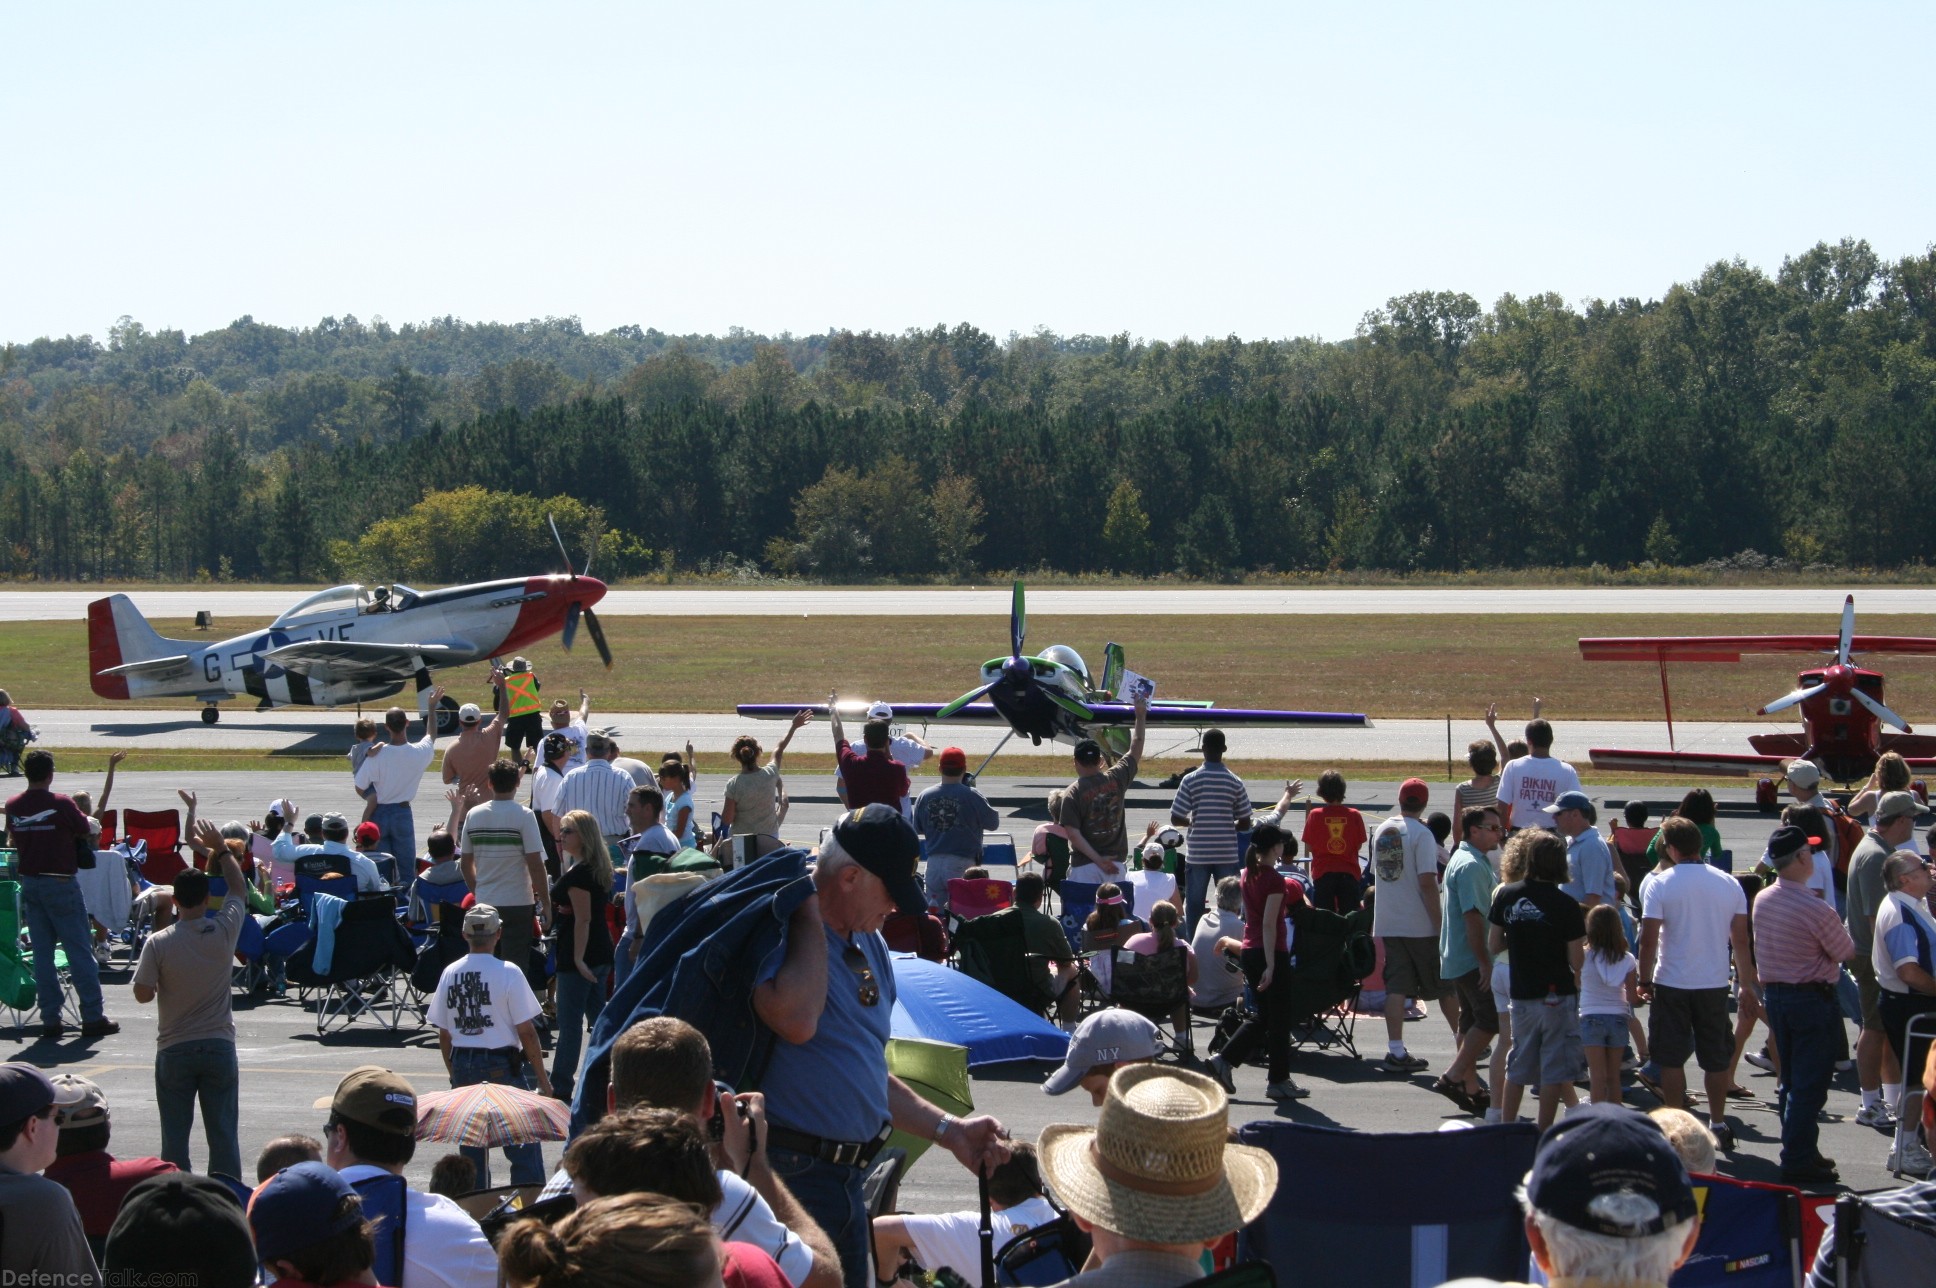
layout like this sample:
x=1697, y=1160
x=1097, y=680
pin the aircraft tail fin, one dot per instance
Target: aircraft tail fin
x=1112, y=667
x=118, y=636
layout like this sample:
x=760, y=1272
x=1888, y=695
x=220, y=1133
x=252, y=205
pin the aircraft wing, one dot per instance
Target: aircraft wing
x=353, y=660
x=975, y=713
x=1723, y=764
x=1202, y=716
x=1731, y=648
x=160, y=670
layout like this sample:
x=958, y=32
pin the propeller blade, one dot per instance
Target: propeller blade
x=963, y=701
x=597, y=633
x=566, y=556
x=1848, y=631
x=1017, y=623
x=1790, y=699
x=1069, y=704
x=570, y=632
x=1881, y=712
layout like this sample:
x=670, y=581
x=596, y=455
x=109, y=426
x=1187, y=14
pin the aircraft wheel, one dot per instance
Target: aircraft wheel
x=211, y=714
x=446, y=714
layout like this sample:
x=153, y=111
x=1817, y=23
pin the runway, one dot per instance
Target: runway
x=712, y=733
x=993, y=601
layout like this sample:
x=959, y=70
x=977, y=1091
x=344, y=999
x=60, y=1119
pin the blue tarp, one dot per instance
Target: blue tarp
x=946, y=1006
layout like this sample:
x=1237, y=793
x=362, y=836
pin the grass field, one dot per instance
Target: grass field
x=1386, y=666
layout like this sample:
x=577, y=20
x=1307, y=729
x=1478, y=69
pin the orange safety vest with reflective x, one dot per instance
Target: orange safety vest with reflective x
x=523, y=686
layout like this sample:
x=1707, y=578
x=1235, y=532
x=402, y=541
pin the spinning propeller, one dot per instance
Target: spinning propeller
x=578, y=607
x=1019, y=671
x=1843, y=660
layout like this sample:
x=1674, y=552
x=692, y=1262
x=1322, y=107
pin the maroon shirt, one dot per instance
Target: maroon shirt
x=99, y=1182
x=874, y=779
x=44, y=826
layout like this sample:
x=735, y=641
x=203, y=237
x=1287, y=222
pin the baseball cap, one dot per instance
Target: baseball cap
x=298, y=1208
x=1607, y=1169
x=368, y=833
x=482, y=919
x=880, y=840
x=1895, y=805
x=375, y=1097
x=880, y=711
x=556, y=745
x=1088, y=749
x=335, y=825
x=275, y=808
x=1568, y=800
x=1786, y=842
x=1111, y=1036
x=1803, y=773
x=1413, y=791
x=953, y=760
x=83, y=1102
x=180, y=1222
x=469, y=713
x=25, y=1092
x=313, y=825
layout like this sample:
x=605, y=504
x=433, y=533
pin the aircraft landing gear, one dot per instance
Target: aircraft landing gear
x=210, y=714
x=446, y=714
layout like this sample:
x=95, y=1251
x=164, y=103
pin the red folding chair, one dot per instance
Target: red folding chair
x=161, y=829
x=110, y=823
x=970, y=899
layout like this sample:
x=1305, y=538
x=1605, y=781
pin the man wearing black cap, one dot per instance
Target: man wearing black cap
x=1608, y=1201
x=1800, y=946
x=1094, y=810
x=828, y=995
x=189, y=1228
x=40, y=1230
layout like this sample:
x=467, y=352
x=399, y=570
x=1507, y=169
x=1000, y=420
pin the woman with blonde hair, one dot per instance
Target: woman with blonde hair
x=579, y=900
x=1891, y=775
x=626, y=1241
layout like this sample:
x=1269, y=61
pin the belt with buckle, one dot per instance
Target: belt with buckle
x=841, y=1153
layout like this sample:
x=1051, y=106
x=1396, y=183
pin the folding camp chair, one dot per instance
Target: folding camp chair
x=994, y=950
x=1751, y=1236
x=1333, y=954
x=161, y=830
x=998, y=851
x=880, y=1190
x=386, y=1201
x=1916, y=1039
x=1341, y=1221
x=307, y=888
x=1876, y=1243
x=367, y=978
x=978, y=898
x=110, y=827
x=1048, y=1254
x=1157, y=987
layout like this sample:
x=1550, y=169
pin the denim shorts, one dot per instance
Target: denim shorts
x=1603, y=1030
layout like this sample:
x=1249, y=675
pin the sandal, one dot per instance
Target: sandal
x=1456, y=1093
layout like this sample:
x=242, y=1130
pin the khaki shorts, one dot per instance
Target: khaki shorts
x=1862, y=966
x=1412, y=967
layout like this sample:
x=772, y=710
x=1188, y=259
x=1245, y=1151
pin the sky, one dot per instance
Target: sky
x=1265, y=170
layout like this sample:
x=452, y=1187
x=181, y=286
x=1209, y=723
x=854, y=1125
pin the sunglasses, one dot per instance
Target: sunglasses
x=870, y=988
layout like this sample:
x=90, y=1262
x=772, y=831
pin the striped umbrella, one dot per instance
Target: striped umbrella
x=490, y=1114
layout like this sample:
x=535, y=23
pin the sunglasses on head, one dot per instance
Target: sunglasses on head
x=870, y=988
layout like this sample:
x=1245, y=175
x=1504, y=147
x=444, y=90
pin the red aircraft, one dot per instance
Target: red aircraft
x=1841, y=705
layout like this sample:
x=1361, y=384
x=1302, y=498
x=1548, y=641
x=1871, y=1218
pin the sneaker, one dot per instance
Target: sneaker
x=1876, y=1115
x=1285, y=1090
x=1629, y=1062
x=1910, y=1159
x=1414, y=1012
x=1820, y=1172
x=1219, y=1068
x=100, y=1028
x=101, y=954
x=1402, y=1063
x=1723, y=1136
x=1760, y=1061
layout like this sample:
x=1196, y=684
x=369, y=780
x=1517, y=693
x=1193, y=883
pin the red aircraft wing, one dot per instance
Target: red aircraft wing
x=1731, y=648
x=1687, y=762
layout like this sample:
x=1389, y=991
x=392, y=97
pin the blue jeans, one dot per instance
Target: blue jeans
x=579, y=1003
x=472, y=1065
x=200, y=1070
x=399, y=831
x=1199, y=879
x=831, y=1194
x=1803, y=1021
x=56, y=916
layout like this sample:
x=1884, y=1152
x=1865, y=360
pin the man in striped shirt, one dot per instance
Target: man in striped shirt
x=1213, y=803
x=1799, y=947
x=598, y=787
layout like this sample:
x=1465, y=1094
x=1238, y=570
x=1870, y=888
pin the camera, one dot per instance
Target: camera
x=716, y=1125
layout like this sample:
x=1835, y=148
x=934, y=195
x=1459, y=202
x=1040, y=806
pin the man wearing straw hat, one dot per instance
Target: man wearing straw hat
x=1155, y=1182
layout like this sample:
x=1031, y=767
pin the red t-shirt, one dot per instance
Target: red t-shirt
x=744, y=1266
x=44, y=826
x=1333, y=835
x=874, y=779
x=1260, y=883
x=99, y=1182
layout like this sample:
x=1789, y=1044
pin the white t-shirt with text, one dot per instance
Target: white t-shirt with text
x=481, y=1001
x=1531, y=783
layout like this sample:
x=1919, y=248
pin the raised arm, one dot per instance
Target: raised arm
x=107, y=788
x=430, y=714
x=800, y=718
x=1492, y=727
x=833, y=718
x=1141, y=727
x=584, y=707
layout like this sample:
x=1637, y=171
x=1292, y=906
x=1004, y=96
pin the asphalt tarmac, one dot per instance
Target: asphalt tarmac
x=286, y=1066
x=988, y=601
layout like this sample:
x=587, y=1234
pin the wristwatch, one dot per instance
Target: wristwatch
x=941, y=1126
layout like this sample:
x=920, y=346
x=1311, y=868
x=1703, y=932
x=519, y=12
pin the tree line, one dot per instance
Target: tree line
x=1792, y=414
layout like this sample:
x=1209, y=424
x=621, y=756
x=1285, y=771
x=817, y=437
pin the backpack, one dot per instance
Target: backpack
x=1848, y=834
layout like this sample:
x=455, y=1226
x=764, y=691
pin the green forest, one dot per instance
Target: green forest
x=1791, y=414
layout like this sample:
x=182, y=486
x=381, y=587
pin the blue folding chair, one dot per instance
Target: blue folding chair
x=1338, y=1218
x=1751, y=1236
x=386, y=1202
x=307, y=888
